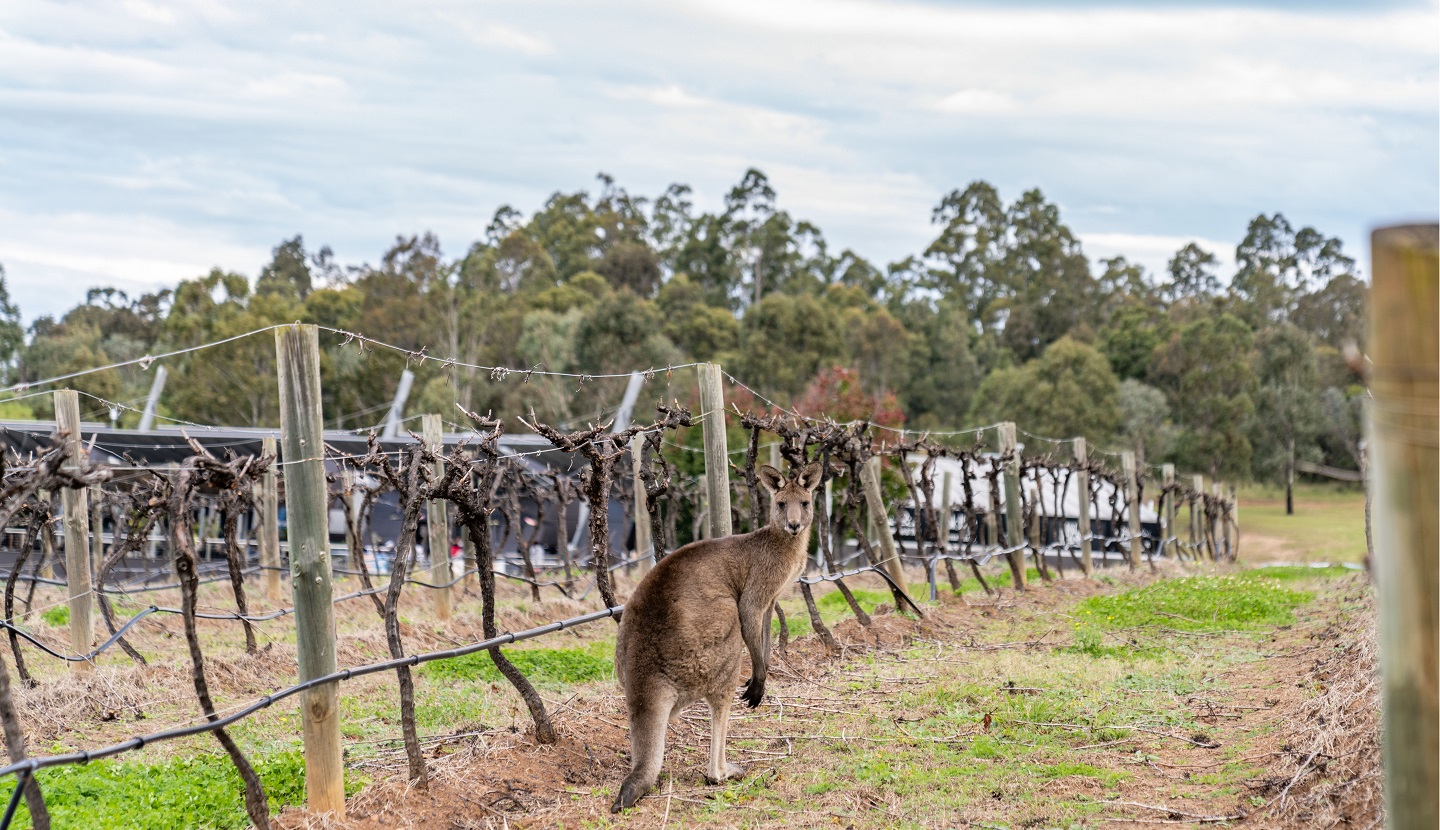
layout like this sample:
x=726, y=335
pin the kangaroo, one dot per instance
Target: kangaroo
x=684, y=631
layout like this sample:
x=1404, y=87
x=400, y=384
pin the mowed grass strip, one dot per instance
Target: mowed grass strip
x=943, y=734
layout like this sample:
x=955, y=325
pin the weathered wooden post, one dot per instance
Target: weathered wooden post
x=77, y=533
x=875, y=504
x=1403, y=465
x=717, y=453
x=1132, y=507
x=1167, y=533
x=1234, y=522
x=269, y=536
x=437, y=540
x=1082, y=515
x=1217, y=523
x=297, y=352
x=1197, y=517
x=644, y=545
x=97, y=530
x=1014, y=533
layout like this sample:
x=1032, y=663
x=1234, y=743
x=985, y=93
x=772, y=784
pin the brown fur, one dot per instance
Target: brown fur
x=686, y=629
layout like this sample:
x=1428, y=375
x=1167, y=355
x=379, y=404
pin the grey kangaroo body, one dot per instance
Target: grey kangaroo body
x=686, y=629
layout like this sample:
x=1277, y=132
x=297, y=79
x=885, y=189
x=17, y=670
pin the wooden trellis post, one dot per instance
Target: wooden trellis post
x=1082, y=515
x=1404, y=473
x=1014, y=533
x=437, y=539
x=297, y=351
x=644, y=545
x=1132, y=507
x=77, y=533
x=875, y=505
x=1167, y=476
x=717, y=453
x=1197, y=517
x=269, y=536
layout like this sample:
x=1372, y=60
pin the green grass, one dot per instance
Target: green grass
x=1328, y=524
x=58, y=616
x=1197, y=603
x=1295, y=573
x=203, y=791
x=543, y=666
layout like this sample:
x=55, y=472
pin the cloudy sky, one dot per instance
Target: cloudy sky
x=144, y=141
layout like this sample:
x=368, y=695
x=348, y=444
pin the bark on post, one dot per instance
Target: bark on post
x=77, y=533
x=1403, y=463
x=1082, y=516
x=1014, y=533
x=1132, y=507
x=437, y=541
x=269, y=535
x=717, y=457
x=297, y=352
x=875, y=506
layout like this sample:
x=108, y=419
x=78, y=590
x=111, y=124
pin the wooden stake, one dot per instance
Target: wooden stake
x=875, y=505
x=1082, y=516
x=1167, y=477
x=1132, y=507
x=1014, y=533
x=297, y=352
x=1404, y=473
x=1197, y=518
x=717, y=456
x=77, y=534
x=437, y=541
x=643, y=543
x=269, y=536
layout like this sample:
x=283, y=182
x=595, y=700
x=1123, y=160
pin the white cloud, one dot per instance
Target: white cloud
x=1153, y=252
x=977, y=102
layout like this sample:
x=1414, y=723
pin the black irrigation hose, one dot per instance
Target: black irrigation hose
x=85, y=658
x=32, y=765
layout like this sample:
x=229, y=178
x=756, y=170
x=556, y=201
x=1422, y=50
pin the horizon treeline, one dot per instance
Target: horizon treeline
x=1001, y=317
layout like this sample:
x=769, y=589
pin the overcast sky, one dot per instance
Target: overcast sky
x=145, y=141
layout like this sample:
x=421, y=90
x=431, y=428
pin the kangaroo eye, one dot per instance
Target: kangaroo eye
x=804, y=504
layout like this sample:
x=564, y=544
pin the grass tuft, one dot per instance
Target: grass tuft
x=543, y=666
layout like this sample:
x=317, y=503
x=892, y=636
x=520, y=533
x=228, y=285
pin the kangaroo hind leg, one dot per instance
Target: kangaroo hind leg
x=648, y=719
x=718, y=770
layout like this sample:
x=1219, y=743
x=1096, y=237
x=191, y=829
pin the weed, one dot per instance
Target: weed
x=202, y=791
x=58, y=616
x=543, y=666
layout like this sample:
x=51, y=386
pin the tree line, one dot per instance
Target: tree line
x=1001, y=317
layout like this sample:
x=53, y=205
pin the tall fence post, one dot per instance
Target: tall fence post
x=1217, y=522
x=644, y=546
x=875, y=504
x=1132, y=507
x=1404, y=473
x=1197, y=517
x=1167, y=533
x=1082, y=515
x=1014, y=533
x=1234, y=513
x=297, y=352
x=717, y=453
x=437, y=540
x=269, y=536
x=74, y=503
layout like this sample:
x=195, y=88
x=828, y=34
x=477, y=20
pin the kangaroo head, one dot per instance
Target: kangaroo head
x=790, y=499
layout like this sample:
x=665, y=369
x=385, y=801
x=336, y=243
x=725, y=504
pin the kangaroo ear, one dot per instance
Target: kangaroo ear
x=809, y=475
x=770, y=478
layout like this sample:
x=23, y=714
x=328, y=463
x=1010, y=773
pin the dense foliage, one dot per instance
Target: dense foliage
x=1001, y=317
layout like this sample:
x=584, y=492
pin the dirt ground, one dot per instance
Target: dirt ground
x=1307, y=722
